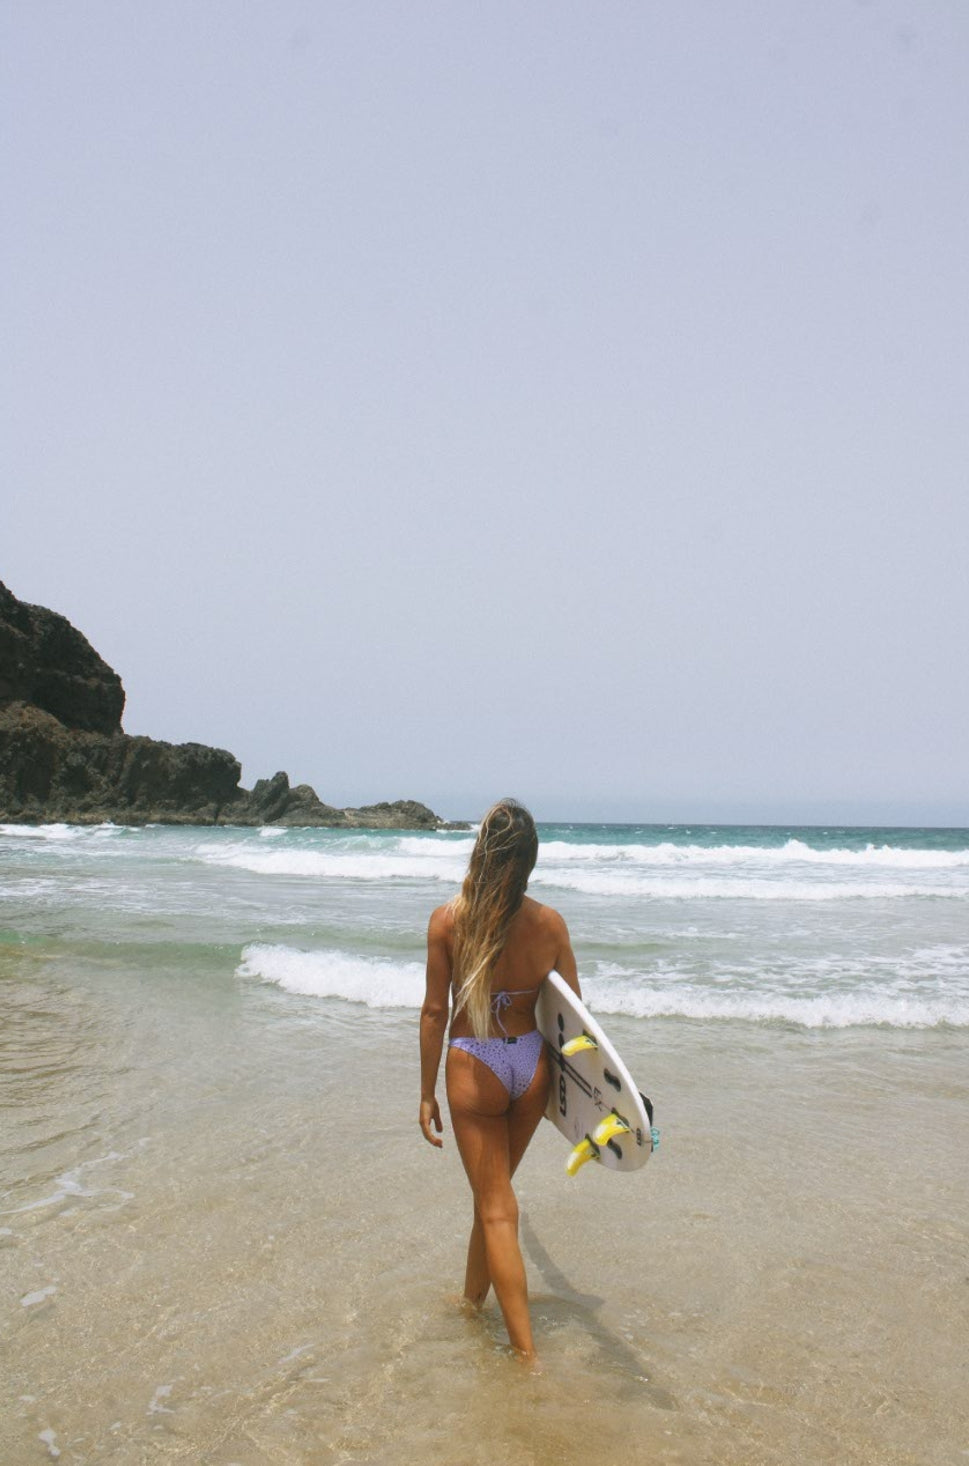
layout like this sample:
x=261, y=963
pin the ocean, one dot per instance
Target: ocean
x=222, y=1238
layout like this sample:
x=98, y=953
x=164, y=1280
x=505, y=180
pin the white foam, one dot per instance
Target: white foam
x=834, y=1010
x=430, y=846
x=725, y=888
x=49, y=1438
x=41, y=832
x=793, y=852
x=383, y=984
x=156, y=1407
x=69, y=1184
x=792, y=872
x=335, y=865
x=61, y=832
x=619, y=875
x=332, y=974
x=30, y=1300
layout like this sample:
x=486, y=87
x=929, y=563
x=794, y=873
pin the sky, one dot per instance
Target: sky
x=446, y=401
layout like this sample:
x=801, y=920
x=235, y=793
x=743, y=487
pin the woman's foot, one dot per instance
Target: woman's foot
x=464, y=1304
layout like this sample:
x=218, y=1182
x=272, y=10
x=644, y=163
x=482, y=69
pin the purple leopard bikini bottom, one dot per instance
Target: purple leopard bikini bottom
x=513, y=1060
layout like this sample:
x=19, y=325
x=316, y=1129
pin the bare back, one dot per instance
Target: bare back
x=538, y=940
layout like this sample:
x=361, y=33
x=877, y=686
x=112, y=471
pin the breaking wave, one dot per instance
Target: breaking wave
x=380, y=983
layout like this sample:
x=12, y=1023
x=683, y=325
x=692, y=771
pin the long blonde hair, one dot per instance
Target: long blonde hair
x=503, y=858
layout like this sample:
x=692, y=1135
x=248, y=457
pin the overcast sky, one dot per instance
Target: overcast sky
x=450, y=400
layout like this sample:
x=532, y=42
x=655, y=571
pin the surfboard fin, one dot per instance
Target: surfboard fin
x=612, y=1125
x=576, y=1045
x=586, y=1150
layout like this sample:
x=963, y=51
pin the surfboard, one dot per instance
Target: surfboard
x=593, y=1099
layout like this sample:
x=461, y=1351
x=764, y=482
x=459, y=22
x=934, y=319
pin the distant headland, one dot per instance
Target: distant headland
x=64, y=757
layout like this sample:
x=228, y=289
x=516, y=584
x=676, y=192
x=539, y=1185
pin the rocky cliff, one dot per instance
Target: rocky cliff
x=64, y=756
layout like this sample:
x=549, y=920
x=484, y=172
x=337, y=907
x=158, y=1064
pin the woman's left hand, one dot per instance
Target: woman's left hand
x=431, y=1115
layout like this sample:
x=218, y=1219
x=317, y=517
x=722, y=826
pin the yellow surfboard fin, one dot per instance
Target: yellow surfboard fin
x=576, y=1045
x=605, y=1130
x=584, y=1151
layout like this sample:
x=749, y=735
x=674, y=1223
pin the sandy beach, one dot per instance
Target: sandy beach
x=215, y=1259
x=222, y=1238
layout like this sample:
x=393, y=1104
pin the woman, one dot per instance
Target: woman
x=490, y=950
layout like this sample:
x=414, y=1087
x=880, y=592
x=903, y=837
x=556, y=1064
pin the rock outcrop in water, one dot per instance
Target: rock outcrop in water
x=64, y=756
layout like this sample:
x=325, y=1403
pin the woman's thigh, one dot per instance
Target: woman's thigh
x=492, y=1131
x=478, y=1102
x=526, y=1112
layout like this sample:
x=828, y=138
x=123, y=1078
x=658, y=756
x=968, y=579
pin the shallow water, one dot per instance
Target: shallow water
x=209, y=1253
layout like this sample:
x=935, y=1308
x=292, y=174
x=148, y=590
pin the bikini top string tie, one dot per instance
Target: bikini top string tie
x=502, y=1000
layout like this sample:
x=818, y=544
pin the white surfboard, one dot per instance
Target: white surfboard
x=593, y=1099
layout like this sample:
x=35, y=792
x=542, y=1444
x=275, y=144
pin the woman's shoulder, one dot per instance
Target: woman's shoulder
x=545, y=917
x=441, y=922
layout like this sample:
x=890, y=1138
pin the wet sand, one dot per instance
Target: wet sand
x=207, y=1254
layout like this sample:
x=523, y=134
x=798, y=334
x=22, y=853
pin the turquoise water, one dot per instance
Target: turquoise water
x=768, y=837
x=222, y=1239
x=820, y=927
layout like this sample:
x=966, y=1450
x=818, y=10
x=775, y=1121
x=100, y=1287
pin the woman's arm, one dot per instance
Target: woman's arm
x=565, y=963
x=434, y=1016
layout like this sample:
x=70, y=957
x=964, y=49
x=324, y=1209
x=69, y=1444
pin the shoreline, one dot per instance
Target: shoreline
x=750, y=1297
x=223, y=1238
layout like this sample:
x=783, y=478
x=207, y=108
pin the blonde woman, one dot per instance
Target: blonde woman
x=488, y=953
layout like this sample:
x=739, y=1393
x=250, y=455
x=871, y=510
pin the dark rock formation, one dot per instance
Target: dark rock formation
x=49, y=772
x=45, y=662
x=273, y=802
x=64, y=756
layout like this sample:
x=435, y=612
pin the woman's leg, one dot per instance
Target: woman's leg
x=477, y=1279
x=492, y=1136
x=522, y=1123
